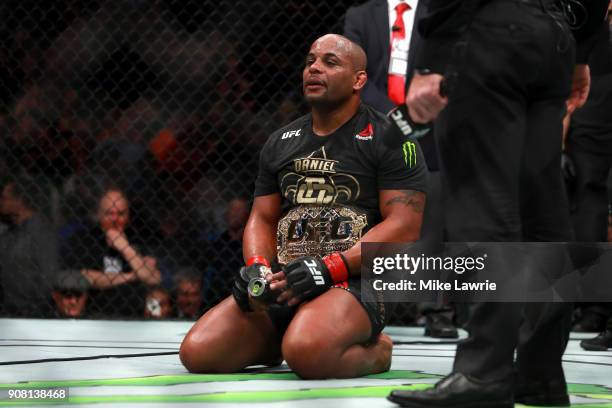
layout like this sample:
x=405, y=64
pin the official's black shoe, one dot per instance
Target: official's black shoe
x=590, y=322
x=541, y=394
x=439, y=326
x=603, y=342
x=458, y=390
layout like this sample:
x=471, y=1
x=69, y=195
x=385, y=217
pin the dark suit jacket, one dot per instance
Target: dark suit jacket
x=368, y=26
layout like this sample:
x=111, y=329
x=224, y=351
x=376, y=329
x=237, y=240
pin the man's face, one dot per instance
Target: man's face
x=113, y=211
x=188, y=298
x=70, y=303
x=328, y=75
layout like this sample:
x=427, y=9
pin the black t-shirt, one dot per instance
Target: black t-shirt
x=88, y=249
x=330, y=184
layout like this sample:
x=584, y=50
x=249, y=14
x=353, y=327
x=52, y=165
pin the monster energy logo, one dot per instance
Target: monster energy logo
x=410, y=157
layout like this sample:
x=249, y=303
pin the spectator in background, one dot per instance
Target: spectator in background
x=188, y=294
x=28, y=250
x=158, y=304
x=113, y=259
x=223, y=257
x=70, y=294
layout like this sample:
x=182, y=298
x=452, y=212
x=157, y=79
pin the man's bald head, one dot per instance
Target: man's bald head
x=352, y=50
x=334, y=72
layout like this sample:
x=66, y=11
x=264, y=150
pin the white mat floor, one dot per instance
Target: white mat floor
x=117, y=363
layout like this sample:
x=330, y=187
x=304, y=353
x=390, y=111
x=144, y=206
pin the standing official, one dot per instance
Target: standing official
x=589, y=145
x=516, y=64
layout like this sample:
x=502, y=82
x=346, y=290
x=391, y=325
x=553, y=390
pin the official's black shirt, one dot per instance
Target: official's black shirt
x=88, y=250
x=330, y=184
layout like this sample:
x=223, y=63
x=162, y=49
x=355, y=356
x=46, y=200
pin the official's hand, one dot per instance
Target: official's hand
x=116, y=239
x=581, y=84
x=423, y=99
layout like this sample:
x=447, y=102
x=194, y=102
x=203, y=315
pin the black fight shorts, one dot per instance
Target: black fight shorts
x=281, y=315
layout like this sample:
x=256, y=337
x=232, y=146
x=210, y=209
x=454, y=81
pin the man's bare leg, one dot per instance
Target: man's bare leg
x=327, y=339
x=226, y=339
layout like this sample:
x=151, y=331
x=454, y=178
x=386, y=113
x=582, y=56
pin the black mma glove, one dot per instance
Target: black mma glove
x=400, y=115
x=310, y=276
x=404, y=123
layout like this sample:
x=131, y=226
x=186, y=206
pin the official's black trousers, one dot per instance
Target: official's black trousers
x=589, y=201
x=589, y=206
x=500, y=146
x=432, y=235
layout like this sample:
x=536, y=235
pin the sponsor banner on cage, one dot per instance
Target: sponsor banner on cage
x=487, y=272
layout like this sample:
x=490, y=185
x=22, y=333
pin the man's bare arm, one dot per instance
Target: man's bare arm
x=144, y=267
x=101, y=280
x=402, y=213
x=260, y=232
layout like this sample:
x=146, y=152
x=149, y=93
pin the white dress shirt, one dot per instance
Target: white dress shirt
x=398, y=63
x=408, y=15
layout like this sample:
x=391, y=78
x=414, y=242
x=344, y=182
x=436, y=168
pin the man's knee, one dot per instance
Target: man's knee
x=200, y=357
x=310, y=357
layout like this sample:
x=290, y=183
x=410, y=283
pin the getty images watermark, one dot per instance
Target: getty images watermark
x=406, y=264
x=491, y=272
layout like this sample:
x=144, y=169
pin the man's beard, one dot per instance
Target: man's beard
x=323, y=103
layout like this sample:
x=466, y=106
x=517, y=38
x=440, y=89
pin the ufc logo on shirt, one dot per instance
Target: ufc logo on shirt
x=316, y=274
x=291, y=134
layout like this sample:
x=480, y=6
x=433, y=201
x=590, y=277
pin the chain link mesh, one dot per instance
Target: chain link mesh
x=146, y=115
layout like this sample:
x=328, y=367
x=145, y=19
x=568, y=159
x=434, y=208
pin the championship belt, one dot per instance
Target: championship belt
x=318, y=230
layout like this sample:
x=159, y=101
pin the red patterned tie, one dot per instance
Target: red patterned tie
x=396, y=87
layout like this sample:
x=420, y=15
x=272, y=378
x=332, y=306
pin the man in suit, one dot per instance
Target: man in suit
x=372, y=25
x=385, y=29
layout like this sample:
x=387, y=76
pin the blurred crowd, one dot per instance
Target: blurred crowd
x=129, y=140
